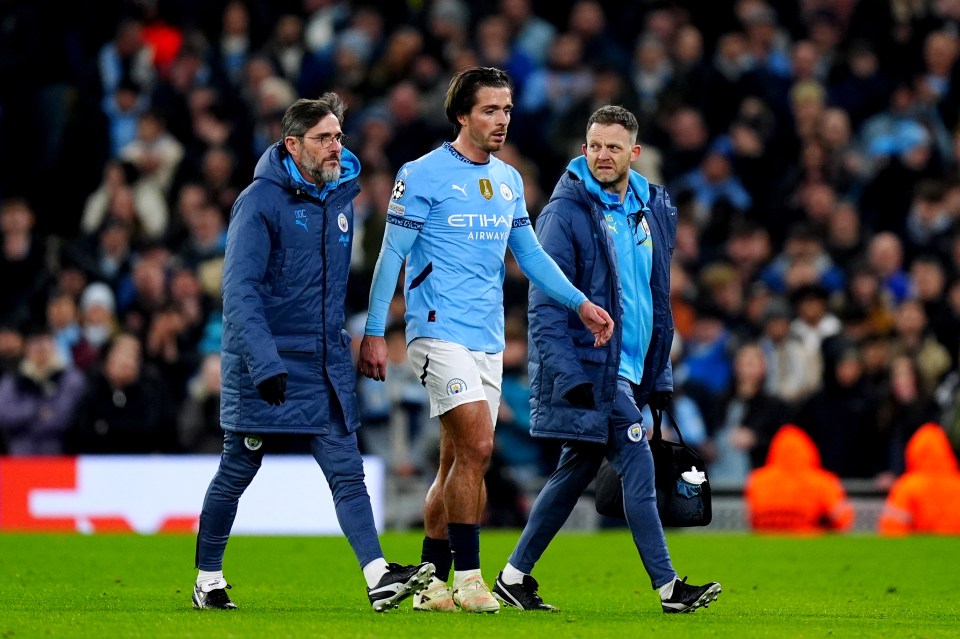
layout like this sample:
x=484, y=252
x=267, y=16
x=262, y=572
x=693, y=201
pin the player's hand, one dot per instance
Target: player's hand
x=372, y=360
x=581, y=395
x=598, y=321
x=659, y=400
x=273, y=390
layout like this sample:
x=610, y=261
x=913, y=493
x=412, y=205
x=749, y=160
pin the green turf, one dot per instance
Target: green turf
x=139, y=586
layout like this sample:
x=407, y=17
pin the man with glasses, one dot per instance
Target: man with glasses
x=612, y=233
x=288, y=376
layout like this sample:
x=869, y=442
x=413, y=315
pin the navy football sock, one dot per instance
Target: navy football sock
x=465, y=544
x=437, y=552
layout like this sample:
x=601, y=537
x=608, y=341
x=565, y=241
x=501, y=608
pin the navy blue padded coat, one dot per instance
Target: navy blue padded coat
x=572, y=229
x=284, y=287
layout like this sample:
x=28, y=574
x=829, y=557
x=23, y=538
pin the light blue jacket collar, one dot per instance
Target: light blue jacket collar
x=638, y=184
x=349, y=169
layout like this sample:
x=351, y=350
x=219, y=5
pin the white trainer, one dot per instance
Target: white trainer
x=473, y=595
x=436, y=597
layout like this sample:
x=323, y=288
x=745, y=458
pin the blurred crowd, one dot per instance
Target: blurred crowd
x=811, y=147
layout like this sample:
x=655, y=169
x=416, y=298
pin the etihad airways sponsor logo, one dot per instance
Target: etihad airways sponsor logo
x=475, y=220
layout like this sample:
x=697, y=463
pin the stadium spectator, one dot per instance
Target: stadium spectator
x=687, y=144
x=841, y=417
x=531, y=33
x=814, y=323
x=40, y=398
x=235, y=42
x=803, y=261
x=123, y=108
x=572, y=397
x=23, y=268
x=126, y=58
x=206, y=237
x=924, y=499
x=284, y=302
x=845, y=241
x=121, y=179
x=98, y=324
x=914, y=339
x=63, y=320
x=749, y=419
x=791, y=493
x=714, y=182
x=708, y=356
x=588, y=21
x=157, y=155
x=785, y=359
x=553, y=90
x=461, y=338
x=124, y=409
x=495, y=48
x=908, y=405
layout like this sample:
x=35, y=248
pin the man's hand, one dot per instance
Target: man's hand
x=598, y=321
x=659, y=400
x=581, y=395
x=273, y=390
x=372, y=360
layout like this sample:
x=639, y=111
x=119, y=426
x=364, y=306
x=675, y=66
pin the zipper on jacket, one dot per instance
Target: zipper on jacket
x=301, y=193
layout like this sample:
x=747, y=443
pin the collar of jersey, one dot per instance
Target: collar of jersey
x=460, y=156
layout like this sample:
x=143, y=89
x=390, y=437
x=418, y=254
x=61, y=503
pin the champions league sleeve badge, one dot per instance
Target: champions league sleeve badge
x=399, y=188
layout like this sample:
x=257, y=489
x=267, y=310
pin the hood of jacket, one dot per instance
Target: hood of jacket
x=639, y=184
x=792, y=449
x=271, y=167
x=929, y=451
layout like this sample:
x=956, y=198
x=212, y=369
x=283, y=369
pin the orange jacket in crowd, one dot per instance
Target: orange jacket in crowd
x=792, y=493
x=926, y=498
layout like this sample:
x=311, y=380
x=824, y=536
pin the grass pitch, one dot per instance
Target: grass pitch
x=108, y=586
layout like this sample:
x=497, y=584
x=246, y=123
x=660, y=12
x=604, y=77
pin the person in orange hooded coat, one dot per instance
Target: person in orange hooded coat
x=925, y=499
x=792, y=493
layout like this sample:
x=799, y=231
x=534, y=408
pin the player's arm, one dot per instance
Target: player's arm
x=543, y=271
x=401, y=232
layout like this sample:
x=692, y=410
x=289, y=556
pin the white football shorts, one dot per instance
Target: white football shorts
x=454, y=375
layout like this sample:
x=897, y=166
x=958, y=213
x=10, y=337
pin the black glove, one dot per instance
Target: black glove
x=659, y=400
x=581, y=395
x=273, y=390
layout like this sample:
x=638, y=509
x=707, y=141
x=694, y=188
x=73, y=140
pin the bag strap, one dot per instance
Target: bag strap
x=658, y=420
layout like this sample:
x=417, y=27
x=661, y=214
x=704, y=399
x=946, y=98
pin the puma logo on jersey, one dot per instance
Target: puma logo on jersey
x=462, y=189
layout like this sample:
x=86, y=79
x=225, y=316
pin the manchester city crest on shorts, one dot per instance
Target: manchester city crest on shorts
x=505, y=192
x=252, y=442
x=635, y=433
x=456, y=386
x=342, y=223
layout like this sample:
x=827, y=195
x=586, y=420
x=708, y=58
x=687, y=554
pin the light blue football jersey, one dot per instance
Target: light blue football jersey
x=455, y=269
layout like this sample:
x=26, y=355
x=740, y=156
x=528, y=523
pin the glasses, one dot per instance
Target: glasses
x=327, y=139
x=636, y=220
